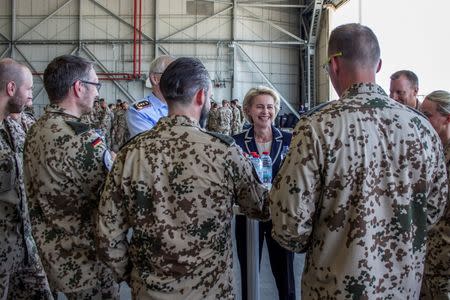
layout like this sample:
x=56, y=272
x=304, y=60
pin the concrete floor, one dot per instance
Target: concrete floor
x=268, y=289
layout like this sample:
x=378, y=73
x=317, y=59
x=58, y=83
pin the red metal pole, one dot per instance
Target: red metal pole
x=134, y=37
x=140, y=39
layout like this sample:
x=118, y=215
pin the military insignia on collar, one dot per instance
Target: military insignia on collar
x=97, y=142
x=142, y=104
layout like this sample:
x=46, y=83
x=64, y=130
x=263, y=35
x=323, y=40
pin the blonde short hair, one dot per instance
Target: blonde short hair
x=442, y=99
x=260, y=90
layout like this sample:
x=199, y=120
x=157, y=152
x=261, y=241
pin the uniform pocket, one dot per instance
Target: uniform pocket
x=7, y=174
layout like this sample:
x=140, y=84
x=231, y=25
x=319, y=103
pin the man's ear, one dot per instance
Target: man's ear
x=200, y=97
x=77, y=88
x=154, y=79
x=11, y=88
x=448, y=118
x=380, y=63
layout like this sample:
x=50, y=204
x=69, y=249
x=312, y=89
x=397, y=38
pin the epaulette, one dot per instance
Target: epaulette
x=316, y=108
x=78, y=127
x=224, y=138
x=141, y=104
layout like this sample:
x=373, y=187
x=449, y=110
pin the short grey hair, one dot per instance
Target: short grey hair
x=260, y=90
x=442, y=99
x=159, y=64
x=409, y=75
x=357, y=43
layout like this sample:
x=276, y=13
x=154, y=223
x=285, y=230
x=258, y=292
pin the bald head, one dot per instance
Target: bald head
x=11, y=71
x=358, y=45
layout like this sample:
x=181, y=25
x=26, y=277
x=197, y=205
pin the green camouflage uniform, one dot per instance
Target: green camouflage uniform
x=175, y=186
x=363, y=179
x=236, y=126
x=436, y=282
x=65, y=169
x=21, y=272
x=213, y=120
x=104, y=124
x=120, y=133
x=225, y=117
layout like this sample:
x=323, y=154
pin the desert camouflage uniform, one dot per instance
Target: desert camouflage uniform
x=213, y=120
x=104, y=124
x=21, y=272
x=235, y=121
x=175, y=186
x=65, y=169
x=225, y=117
x=91, y=118
x=120, y=133
x=26, y=120
x=436, y=282
x=364, y=178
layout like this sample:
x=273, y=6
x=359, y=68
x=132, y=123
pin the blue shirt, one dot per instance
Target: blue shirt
x=144, y=114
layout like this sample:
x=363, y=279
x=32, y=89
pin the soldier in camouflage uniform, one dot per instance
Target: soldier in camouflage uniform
x=24, y=119
x=364, y=178
x=236, y=125
x=225, y=117
x=213, y=118
x=105, y=121
x=21, y=272
x=120, y=132
x=436, y=282
x=66, y=163
x=175, y=186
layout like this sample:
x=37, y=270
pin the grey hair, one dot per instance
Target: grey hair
x=442, y=99
x=409, y=75
x=159, y=64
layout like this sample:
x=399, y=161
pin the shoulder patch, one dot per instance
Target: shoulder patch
x=141, y=104
x=78, y=127
x=224, y=138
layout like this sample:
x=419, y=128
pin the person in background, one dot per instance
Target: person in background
x=21, y=273
x=261, y=106
x=225, y=117
x=144, y=114
x=105, y=121
x=363, y=181
x=120, y=134
x=436, y=282
x=213, y=118
x=66, y=163
x=404, y=88
x=236, y=124
x=174, y=186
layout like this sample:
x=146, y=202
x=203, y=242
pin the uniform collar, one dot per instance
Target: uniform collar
x=180, y=120
x=55, y=109
x=363, y=88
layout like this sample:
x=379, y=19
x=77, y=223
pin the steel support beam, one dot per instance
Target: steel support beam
x=99, y=63
x=255, y=65
x=234, y=36
x=118, y=17
x=197, y=23
x=45, y=19
x=273, y=25
x=272, y=5
x=13, y=28
x=29, y=63
x=80, y=24
x=4, y=52
x=156, y=26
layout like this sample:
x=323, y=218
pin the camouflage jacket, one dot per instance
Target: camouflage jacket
x=120, y=133
x=225, y=116
x=235, y=121
x=436, y=283
x=64, y=170
x=213, y=120
x=16, y=241
x=175, y=186
x=363, y=179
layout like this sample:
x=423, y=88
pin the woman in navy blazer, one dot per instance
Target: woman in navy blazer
x=261, y=105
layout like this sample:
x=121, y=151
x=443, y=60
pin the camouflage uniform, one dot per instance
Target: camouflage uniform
x=213, y=120
x=364, y=178
x=235, y=120
x=436, y=282
x=175, y=186
x=21, y=272
x=120, y=133
x=104, y=124
x=65, y=169
x=225, y=117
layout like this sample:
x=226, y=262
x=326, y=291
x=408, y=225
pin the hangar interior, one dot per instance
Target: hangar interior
x=242, y=43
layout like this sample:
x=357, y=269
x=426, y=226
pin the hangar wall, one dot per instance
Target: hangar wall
x=242, y=43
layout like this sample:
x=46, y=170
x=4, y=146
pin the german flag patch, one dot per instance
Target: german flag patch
x=97, y=142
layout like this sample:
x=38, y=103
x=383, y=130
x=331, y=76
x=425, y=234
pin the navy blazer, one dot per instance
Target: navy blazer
x=246, y=140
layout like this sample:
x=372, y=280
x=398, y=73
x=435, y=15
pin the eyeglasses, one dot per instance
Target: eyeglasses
x=326, y=65
x=98, y=85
